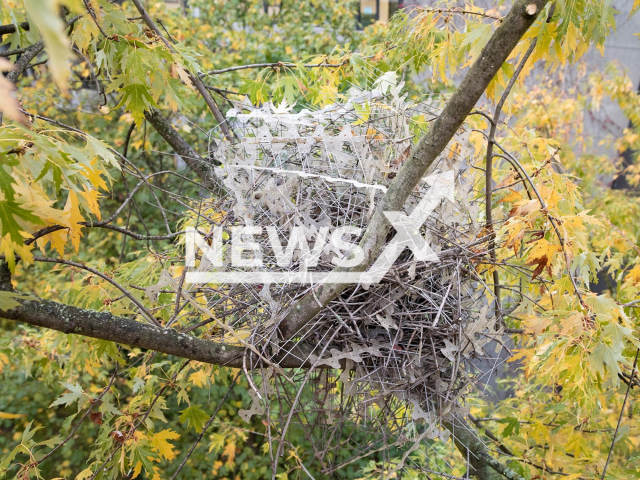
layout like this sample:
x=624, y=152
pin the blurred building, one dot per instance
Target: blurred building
x=372, y=11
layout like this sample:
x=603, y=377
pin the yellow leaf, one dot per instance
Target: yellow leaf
x=58, y=241
x=91, y=196
x=159, y=443
x=94, y=175
x=136, y=470
x=199, y=378
x=230, y=452
x=4, y=360
x=8, y=248
x=327, y=94
x=11, y=416
x=514, y=196
x=84, y=474
x=542, y=248
x=72, y=209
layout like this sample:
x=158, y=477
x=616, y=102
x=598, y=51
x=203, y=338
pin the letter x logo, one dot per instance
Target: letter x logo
x=408, y=228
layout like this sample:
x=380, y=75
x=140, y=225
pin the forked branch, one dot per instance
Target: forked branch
x=494, y=54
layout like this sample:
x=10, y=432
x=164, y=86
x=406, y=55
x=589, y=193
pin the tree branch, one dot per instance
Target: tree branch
x=493, y=55
x=192, y=158
x=105, y=326
x=483, y=465
x=208, y=99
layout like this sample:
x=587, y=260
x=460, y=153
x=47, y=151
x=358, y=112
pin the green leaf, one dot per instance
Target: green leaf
x=512, y=428
x=137, y=99
x=142, y=455
x=290, y=86
x=9, y=300
x=100, y=149
x=189, y=55
x=74, y=395
x=6, y=180
x=9, y=210
x=195, y=417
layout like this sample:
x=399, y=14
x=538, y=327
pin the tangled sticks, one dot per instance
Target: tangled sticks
x=395, y=348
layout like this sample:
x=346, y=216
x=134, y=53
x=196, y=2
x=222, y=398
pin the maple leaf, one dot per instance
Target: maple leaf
x=230, y=452
x=74, y=394
x=9, y=300
x=9, y=210
x=141, y=457
x=6, y=180
x=58, y=240
x=159, y=443
x=137, y=99
x=195, y=417
x=199, y=378
x=541, y=263
x=512, y=428
x=91, y=196
x=72, y=209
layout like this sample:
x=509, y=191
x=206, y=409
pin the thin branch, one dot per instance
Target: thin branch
x=205, y=428
x=195, y=162
x=11, y=28
x=460, y=11
x=624, y=404
x=211, y=103
x=489, y=171
x=15, y=51
x=93, y=402
x=126, y=293
x=475, y=82
x=276, y=65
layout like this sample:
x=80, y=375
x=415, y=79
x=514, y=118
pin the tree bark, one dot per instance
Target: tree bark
x=475, y=82
x=196, y=163
x=105, y=326
x=471, y=446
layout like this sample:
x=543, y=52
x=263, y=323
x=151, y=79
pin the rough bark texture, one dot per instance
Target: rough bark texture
x=483, y=465
x=105, y=326
x=475, y=82
x=25, y=60
x=195, y=162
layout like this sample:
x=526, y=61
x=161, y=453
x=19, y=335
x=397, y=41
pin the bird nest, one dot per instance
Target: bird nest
x=388, y=360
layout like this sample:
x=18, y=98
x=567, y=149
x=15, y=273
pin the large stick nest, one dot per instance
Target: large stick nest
x=402, y=349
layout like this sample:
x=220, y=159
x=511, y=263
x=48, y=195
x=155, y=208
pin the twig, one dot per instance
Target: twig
x=93, y=402
x=624, y=404
x=204, y=429
x=211, y=103
x=489, y=170
x=135, y=301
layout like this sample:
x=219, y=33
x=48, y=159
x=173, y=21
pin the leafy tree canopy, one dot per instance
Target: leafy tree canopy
x=109, y=114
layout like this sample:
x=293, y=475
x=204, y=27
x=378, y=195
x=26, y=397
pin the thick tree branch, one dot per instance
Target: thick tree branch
x=195, y=79
x=471, y=446
x=494, y=54
x=11, y=28
x=192, y=158
x=105, y=326
x=21, y=65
